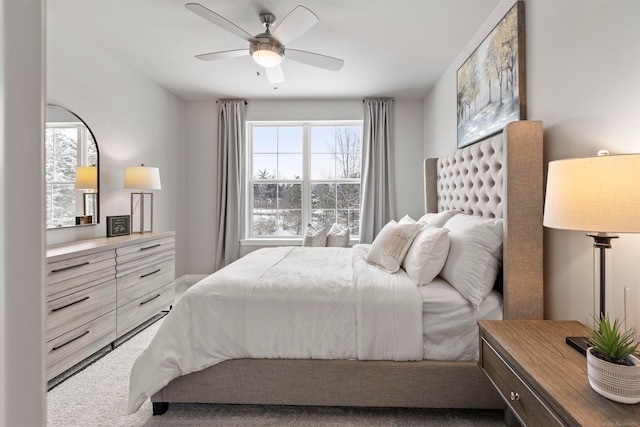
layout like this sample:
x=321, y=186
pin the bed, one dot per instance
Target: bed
x=499, y=177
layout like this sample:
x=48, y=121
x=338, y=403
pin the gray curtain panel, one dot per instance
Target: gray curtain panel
x=230, y=172
x=378, y=183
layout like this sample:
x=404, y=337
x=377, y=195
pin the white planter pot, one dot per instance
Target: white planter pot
x=619, y=383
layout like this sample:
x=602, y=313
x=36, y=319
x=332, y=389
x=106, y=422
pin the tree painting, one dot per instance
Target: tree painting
x=491, y=82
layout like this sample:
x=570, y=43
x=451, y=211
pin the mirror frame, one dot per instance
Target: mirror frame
x=96, y=220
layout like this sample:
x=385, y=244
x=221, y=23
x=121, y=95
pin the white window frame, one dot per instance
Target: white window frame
x=306, y=125
x=82, y=138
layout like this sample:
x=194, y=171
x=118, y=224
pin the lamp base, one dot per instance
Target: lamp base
x=139, y=222
x=580, y=344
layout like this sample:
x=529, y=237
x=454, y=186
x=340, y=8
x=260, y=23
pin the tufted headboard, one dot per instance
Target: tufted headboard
x=501, y=177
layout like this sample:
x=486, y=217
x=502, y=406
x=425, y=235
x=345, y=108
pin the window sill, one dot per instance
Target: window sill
x=255, y=241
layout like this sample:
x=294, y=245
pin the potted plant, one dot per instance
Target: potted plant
x=614, y=372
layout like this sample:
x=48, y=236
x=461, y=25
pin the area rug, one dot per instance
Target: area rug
x=97, y=397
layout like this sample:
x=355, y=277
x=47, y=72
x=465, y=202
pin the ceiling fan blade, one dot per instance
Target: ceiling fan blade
x=314, y=59
x=275, y=75
x=296, y=23
x=223, y=55
x=218, y=20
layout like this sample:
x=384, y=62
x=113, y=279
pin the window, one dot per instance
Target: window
x=303, y=173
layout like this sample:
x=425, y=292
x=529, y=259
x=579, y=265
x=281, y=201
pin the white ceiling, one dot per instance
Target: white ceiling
x=396, y=48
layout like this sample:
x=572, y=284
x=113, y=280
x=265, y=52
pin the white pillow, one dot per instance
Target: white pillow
x=338, y=237
x=315, y=238
x=475, y=255
x=407, y=220
x=427, y=254
x=438, y=219
x=391, y=245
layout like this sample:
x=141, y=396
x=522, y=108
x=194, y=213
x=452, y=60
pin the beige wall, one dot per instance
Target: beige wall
x=583, y=82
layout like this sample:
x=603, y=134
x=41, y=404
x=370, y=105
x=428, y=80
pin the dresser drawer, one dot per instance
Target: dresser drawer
x=146, y=250
x=79, y=283
x=144, y=308
x=145, y=280
x=72, y=311
x=143, y=263
x=529, y=408
x=71, y=348
x=78, y=266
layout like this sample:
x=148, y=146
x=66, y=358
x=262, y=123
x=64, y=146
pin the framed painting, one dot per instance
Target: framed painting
x=491, y=82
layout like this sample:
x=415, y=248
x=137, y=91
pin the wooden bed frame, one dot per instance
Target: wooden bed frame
x=501, y=176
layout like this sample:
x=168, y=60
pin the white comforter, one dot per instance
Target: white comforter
x=289, y=303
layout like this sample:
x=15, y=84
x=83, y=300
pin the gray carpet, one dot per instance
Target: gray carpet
x=97, y=396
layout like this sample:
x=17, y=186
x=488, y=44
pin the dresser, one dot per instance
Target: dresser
x=98, y=290
x=543, y=380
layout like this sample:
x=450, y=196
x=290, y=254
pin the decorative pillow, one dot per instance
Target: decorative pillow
x=391, y=245
x=315, y=238
x=407, y=220
x=427, y=254
x=438, y=219
x=337, y=236
x=475, y=255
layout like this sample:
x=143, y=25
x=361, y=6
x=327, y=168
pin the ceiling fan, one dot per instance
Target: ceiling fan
x=268, y=49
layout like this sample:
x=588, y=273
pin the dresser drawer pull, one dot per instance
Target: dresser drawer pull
x=514, y=396
x=149, y=274
x=70, y=304
x=70, y=267
x=149, y=300
x=150, y=247
x=70, y=341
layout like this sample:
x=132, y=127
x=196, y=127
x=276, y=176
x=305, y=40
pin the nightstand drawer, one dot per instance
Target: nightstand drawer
x=522, y=400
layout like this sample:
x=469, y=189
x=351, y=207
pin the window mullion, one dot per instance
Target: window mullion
x=306, y=175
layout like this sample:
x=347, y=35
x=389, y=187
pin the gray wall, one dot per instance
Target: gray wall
x=22, y=372
x=583, y=82
x=202, y=135
x=134, y=121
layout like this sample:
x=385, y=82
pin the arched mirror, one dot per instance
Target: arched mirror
x=72, y=170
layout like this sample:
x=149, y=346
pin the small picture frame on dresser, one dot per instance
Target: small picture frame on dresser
x=119, y=225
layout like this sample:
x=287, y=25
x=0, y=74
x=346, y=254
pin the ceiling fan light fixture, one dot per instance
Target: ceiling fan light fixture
x=267, y=55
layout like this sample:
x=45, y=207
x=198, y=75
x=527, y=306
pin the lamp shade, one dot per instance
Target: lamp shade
x=142, y=178
x=598, y=194
x=86, y=178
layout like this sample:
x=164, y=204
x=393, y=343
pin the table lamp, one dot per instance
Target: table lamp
x=87, y=179
x=142, y=178
x=600, y=195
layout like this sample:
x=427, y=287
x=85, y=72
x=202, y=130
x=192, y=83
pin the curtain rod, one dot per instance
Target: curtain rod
x=378, y=99
x=245, y=101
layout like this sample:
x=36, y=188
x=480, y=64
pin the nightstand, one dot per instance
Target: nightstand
x=542, y=379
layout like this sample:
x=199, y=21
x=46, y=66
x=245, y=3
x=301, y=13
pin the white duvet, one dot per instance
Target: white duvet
x=288, y=303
